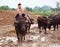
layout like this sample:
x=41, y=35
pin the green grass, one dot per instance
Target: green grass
x=45, y=13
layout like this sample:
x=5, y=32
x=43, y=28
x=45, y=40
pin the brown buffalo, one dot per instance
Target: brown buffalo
x=43, y=22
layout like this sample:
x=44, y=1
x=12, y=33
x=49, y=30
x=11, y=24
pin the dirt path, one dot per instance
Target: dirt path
x=33, y=38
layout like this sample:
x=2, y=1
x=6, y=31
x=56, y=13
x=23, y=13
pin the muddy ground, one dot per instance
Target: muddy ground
x=33, y=38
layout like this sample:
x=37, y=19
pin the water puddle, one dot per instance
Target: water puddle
x=13, y=39
x=34, y=25
x=34, y=44
x=54, y=45
x=7, y=40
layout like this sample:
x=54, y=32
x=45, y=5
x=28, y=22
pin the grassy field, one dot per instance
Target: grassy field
x=45, y=13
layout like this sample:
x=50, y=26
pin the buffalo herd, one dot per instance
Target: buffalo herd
x=22, y=26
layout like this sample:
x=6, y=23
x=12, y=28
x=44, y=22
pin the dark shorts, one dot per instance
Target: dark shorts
x=23, y=15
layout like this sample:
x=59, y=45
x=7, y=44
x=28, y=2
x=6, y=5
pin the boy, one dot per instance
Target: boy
x=20, y=12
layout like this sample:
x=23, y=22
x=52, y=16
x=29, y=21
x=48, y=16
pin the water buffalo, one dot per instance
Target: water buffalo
x=55, y=21
x=20, y=27
x=29, y=23
x=43, y=22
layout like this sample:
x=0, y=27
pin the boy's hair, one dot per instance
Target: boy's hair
x=19, y=4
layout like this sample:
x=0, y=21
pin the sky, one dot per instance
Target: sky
x=29, y=3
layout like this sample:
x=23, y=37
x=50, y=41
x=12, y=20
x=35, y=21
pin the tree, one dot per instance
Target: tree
x=58, y=6
x=6, y=7
x=29, y=9
x=46, y=8
x=13, y=9
x=37, y=8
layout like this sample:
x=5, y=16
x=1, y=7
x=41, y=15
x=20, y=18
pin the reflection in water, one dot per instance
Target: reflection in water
x=34, y=25
x=7, y=39
x=35, y=37
x=23, y=45
x=34, y=44
x=14, y=39
x=43, y=39
x=54, y=45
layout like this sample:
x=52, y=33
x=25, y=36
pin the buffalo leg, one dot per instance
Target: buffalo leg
x=49, y=27
x=45, y=28
x=17, y=34
x=39, y=29
x=45, y=31
x=57, y=26
x=21, y=38
x=29, y=27
x=18, y=37
x=26, y=29
x=54, y=27
x=24, y=37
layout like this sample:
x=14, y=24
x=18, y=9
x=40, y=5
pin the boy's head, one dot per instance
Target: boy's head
x=19, y=5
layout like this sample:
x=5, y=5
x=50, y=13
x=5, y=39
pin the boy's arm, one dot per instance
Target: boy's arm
x=17, y=11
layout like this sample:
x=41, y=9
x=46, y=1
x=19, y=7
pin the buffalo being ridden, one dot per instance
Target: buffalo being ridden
x=55, y=21
x=20, y=27
x=43, y=22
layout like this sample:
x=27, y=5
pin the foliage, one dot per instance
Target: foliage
x=29, y=9
x=6, y=7
x=46, y=13
x=13, y=9
x=37, y=10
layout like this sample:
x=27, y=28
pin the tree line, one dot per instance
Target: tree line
x=36, y=8
x=6, y=7
x=45, y=8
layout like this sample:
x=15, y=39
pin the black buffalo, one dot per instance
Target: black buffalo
x=43, y=22
x=55, y=21
x=20, y=27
